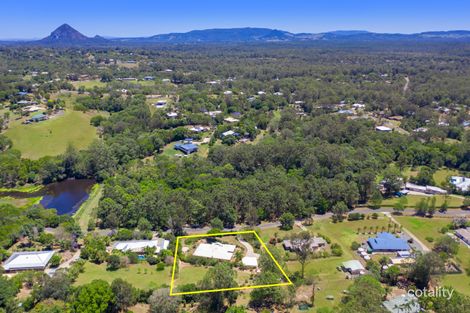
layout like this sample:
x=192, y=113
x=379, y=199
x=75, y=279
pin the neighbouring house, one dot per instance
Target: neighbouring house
x=432, y=190
x=228, y=92
x=31, y=260
x=464, y=234
x=314, y=243
x=31, y=108
x=38, y=117
x=172, y=114
x=460, y=182
x=160, y=104
x=358, y=106
x=403, y=304
x=149, y=78
x=230, y=133
x=250, y=261
x=384, y=129
x=215, y=250
x=138, y=246
x=346, y=112
x=354, y=267
x=231, y=120
x=213, y=113
x=386, y=242
x=186, y=146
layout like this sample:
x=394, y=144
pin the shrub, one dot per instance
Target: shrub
x=114, y=262
x=160, y=266
x=355, y=245
x=152, y=260
x=55, y=260
x=336, y=250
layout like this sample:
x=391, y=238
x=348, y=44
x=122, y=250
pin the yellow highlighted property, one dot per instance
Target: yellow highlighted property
x=172, y=293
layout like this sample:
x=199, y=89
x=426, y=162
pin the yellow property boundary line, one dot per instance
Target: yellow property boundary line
x=289, y=282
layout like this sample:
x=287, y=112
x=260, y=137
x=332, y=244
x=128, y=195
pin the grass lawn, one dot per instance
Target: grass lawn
x=453, y=201
x=190, y=274
x=429, y=227
x=327, y=277
x=134, y=274
x=51, y=137
x=89, y=84
x=441, y=175
x=87, y=210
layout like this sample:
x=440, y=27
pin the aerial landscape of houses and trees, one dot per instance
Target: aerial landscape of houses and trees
x=235, y=169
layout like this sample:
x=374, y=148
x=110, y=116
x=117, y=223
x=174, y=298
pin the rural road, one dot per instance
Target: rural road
x=451, y=213
x=405, y=88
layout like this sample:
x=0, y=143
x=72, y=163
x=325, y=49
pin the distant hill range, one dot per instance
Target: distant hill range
x=66, y=35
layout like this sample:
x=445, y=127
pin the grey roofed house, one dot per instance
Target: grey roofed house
x=31, y=260
x=403, y=304
x=315, y=243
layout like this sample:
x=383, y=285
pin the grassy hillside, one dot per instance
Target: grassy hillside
x=51, y=137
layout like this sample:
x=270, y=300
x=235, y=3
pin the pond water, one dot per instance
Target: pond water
x=65, y=196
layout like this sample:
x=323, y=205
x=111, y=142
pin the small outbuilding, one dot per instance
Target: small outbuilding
x=250, y=261
x=354, y=267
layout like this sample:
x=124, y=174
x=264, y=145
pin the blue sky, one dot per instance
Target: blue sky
x=37, y=18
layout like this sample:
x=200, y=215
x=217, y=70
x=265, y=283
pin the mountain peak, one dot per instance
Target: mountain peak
x=65, y=34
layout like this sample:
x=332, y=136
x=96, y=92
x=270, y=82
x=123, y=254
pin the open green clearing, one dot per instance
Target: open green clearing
x=51, y=137
x=453, y=201
x=87, y=210
x=142, y=276
x=89, y=84
x=324, y=270
x=430, y=227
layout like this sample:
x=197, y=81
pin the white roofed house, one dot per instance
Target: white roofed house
x=31, y=260
x=383, y=129
x=139, y=246
x=215, y=250
x=461, y=183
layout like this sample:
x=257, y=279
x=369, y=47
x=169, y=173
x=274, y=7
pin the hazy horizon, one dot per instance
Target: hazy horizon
x=31, y=19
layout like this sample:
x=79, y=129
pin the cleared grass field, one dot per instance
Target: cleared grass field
x=430, y=227
x=90, y=84
x=87, y=210
x=453, y=201
x=142, y=276
x=51, y=137
x=324, y=270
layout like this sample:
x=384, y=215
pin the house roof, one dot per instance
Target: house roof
x=139, y=245
x=353, y=265
x=186, y=147
x=403, y=304
x=215, y=250
x=387, y=241
x=28, y=260
x=250, y=261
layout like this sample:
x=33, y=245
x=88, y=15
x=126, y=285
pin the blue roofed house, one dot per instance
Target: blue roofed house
x=386, y=242
x=186, y=146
